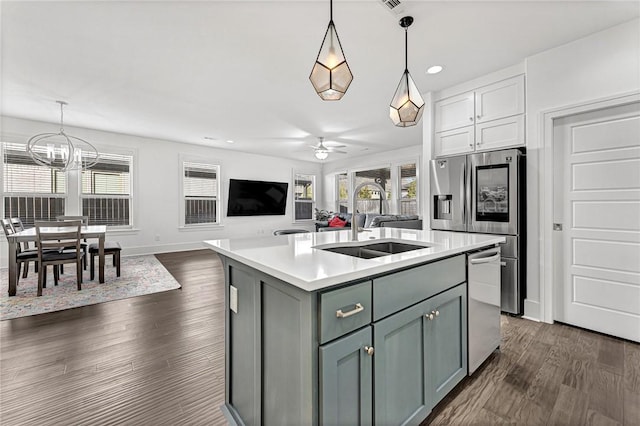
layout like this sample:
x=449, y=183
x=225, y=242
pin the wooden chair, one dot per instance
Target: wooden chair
x=22, y=257
x=60, y=236
x=110, y=247
x=26, y=246
x=83, y=244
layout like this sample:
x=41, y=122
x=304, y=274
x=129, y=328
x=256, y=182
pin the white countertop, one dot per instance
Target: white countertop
x=293, y=258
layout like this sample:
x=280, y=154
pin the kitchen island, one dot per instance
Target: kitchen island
x=315, y=336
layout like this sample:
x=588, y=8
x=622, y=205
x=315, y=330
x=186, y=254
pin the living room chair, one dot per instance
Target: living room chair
x=110, y=247
x=58, y=243
x=22, y=257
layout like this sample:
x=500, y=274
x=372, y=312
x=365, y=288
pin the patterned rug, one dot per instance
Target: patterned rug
x=139, y=275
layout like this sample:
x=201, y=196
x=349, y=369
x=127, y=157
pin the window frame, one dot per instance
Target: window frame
x=395, y=182
x=218, y=199
x=13, y=194
x=133, y=167
x=313, y=201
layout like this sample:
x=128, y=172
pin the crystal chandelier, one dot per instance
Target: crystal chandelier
x=62, y=151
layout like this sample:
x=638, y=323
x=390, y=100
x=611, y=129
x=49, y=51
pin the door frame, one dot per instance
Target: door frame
x=545, y=183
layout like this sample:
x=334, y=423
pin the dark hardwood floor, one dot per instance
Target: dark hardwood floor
x=159, y=360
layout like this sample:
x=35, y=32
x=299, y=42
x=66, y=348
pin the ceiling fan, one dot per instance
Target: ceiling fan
x=322, y=151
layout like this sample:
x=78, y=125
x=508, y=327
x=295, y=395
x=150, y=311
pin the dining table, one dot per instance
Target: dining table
x=89, y=231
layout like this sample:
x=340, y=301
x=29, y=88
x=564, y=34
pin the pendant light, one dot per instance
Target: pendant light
x=407, y=105
x=331, y=75
x=61, y=151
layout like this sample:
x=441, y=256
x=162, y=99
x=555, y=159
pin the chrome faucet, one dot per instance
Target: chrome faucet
x=354, y=224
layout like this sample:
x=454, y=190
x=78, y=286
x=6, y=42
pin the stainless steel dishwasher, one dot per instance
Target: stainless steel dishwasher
x=483, y=270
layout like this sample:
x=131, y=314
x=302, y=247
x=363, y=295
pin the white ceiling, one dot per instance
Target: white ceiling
x=239, y=70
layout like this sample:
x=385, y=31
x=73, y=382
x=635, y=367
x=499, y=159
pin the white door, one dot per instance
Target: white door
x=597, y=201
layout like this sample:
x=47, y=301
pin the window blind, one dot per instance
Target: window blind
x=200, y=189
x=110, y=176
x=23, y=175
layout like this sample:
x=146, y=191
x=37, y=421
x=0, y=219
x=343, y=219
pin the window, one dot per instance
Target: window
x=304, y=196
x=369, y=199
x=31, y=191
x=408, y=189
x=200, y=188
x=342, y=189
x=106, y=190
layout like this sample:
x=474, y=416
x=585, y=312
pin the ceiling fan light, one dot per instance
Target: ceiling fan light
x=321, y=155
x=331, y=75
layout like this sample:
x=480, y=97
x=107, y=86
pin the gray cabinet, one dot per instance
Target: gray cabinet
x=380, y=351
x=400, y=365
x=346, y=380
x=421, y=355
x=447, y=341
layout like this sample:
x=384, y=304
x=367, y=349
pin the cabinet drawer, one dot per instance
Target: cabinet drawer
x=395, y=292
x=501, y=133
x=344, y=310
x=457, y=141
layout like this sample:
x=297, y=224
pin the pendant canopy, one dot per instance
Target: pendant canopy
x=407, y=105
x=331, y=75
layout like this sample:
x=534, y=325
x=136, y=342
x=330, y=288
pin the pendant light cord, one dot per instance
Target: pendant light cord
x=406, y=49
x=331, y=10
x=61, y=117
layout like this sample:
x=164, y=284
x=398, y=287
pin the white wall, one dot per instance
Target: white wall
x=157, y=181
x=601, y=65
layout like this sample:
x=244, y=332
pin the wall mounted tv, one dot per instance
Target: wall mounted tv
x=256, y=198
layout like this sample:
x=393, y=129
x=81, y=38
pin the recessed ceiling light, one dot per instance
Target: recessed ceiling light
x=434, y=69
x=229, y=141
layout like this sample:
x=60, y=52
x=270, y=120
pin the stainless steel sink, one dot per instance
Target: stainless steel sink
x=372, y=250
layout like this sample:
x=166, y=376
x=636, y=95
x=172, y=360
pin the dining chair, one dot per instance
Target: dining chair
x=18, y=226
x=83, y=244
x=22, y=257
x=110, y=248
x=60, y=236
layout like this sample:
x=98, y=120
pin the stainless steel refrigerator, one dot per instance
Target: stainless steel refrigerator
x=485, y=193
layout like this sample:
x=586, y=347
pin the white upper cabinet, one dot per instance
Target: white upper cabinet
x=500, y=100
x=455, y=112
x=488, y=118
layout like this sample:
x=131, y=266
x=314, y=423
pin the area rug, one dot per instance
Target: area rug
x=139, y=275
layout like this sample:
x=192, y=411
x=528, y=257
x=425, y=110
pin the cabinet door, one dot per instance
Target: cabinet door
x=447, y=341
x=503, y=133
x=454, y=112
x=500, y=100
x=400, y=362
x=346, y=380
x=458, y=141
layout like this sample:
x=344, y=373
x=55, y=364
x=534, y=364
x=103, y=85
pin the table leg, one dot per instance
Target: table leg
x=101, y=257
x=13, y=268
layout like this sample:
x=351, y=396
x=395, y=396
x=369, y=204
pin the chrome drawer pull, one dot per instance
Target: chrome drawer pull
x=358, y=308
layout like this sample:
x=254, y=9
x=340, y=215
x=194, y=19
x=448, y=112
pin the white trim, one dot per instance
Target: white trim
x=545, y=181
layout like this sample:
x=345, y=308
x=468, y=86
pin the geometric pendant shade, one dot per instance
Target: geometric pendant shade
x=331, y=75
x=407, y=105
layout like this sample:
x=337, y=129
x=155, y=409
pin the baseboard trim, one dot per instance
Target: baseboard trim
x=531, y=310
x=165, y=248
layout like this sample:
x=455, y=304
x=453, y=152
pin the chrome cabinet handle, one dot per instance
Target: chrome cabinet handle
x=369, y=350
x=470, y=118
x=429, y=316
x=480, y=260
x=357, y=308
x=436, y=313
x=478, y=116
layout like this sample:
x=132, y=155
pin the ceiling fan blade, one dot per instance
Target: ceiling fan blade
x=337, y=151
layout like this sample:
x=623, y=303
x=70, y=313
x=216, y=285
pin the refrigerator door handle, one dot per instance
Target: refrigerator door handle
x=463, y=204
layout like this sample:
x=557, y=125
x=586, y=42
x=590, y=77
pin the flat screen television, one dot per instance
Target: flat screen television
x=256, y=198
